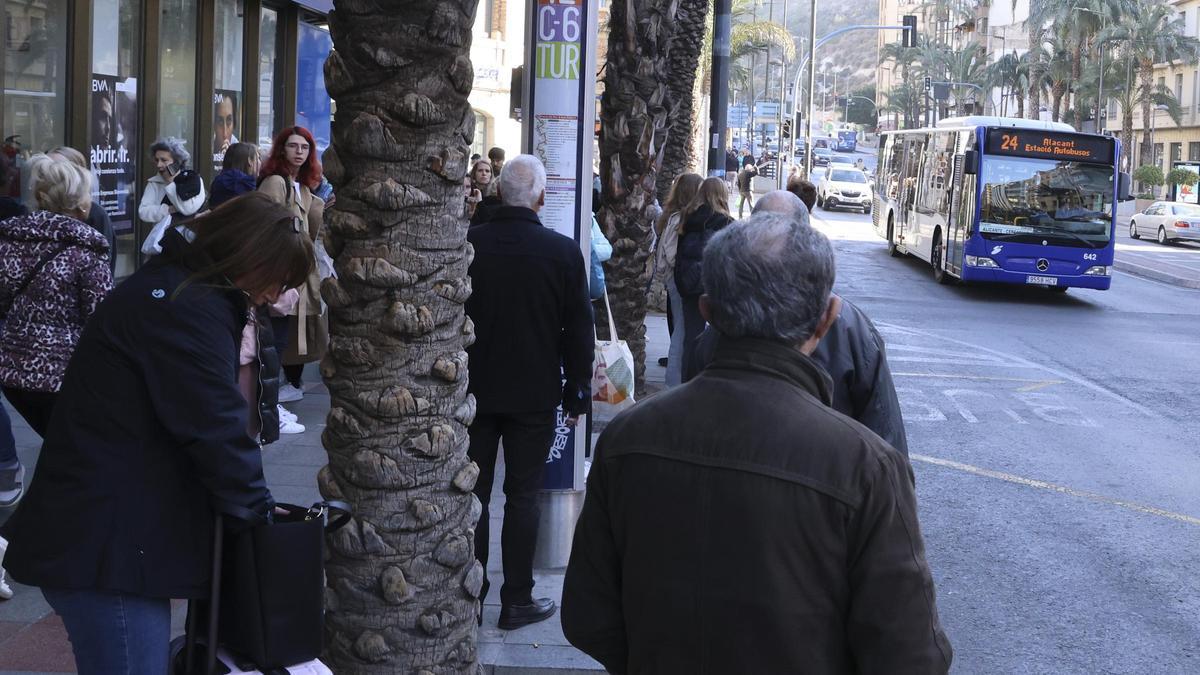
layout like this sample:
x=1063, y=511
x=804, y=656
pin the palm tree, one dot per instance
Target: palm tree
x=1008, y=74
x=402, y=580
x=1156, y=33
x=686, y=45
x=1036, y=64
x=1058, y=70
x=633, y=133
x=966, y=65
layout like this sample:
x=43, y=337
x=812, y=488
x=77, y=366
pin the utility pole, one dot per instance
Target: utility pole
x=812, y=83
x=779, y=180
x=719, y=87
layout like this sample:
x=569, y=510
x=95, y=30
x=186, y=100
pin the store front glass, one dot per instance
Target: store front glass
x=227, y=74
x=33, y=58
x=113, y=142
x=314, y=109
x=268, y=32
x=177, y=86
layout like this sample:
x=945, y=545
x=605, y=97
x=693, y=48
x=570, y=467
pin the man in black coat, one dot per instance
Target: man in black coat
x=533, y=330
x=739, y=524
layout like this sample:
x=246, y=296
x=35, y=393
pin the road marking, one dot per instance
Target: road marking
x=1040, y=385
x=1052, y=487
x=1147, y=412
x=1037, y=384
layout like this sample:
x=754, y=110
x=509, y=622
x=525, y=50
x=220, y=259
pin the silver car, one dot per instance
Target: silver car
x=1167, y=222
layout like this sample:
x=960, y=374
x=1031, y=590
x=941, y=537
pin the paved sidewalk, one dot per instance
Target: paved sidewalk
x=33, y=640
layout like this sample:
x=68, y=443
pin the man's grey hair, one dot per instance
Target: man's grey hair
x=768, y=277
x=522, y=181
x=173, y=145
x=784, y=203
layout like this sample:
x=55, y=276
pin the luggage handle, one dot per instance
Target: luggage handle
x=322, y=510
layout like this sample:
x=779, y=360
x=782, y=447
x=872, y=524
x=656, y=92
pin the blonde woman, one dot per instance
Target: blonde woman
x=683, y=191
x=54, y=271
x=707, y=214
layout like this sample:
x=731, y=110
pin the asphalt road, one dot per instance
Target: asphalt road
x=1054, y=441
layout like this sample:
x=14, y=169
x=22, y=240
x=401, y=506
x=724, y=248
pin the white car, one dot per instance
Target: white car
x=844, y=188
x=1167, y=222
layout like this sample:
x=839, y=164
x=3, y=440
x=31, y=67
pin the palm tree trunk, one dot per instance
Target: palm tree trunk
x=1146, y=87
x=685, y=57
x=402, y=580
x=1058, y=93
x=1020, y=96
x=1035, y=101
x=1127, y=135
x=633, y=134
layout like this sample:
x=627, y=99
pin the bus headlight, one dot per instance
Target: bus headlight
x=981, y=261
x=1096, y=271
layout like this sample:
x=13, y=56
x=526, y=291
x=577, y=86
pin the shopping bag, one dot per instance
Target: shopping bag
x=612, y=371
x=273, y=589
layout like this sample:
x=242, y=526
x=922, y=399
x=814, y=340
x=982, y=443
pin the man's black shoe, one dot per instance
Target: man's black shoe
x=663, y=362
x=515, y=616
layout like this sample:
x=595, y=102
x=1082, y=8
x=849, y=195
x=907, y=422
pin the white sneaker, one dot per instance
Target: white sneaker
x=285, y=414
x=288, y=393
x=289, y=427
x=6, y=591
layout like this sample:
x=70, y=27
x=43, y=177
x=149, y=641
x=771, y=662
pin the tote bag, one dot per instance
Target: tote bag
x=612, y=371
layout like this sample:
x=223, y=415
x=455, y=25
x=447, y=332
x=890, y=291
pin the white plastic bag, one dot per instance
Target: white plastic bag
x=612, y=371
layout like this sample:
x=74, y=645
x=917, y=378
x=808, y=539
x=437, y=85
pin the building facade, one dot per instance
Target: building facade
x=498, y=46
x=1171, y=142
x=108, y=77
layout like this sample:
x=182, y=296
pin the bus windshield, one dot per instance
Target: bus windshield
x=1032, y=200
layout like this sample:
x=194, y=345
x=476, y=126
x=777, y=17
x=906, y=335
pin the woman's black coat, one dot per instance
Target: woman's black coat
x=147, y=438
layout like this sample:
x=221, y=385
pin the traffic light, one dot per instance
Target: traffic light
x=910, y=30
x=787, y=129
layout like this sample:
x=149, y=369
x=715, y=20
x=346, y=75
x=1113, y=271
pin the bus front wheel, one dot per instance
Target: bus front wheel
x=938, y=260
x=891, y=238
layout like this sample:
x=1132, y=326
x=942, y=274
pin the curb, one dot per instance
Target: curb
x=1157, y=275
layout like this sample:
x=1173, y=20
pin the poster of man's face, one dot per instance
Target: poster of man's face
x=225, y=121
x=104, y=118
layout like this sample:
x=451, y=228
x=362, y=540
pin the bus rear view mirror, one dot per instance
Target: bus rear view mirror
x=971, y=162
x=1123, y=187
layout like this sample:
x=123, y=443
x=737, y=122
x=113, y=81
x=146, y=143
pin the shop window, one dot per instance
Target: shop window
x=479, y=144
x=1176, y=152
x=268, y=40
x=227, y=78
x=1194, y=151
x=1179, y=87
x=33, y=57
x=314, y=109
x=177, y=83
x=114, y=140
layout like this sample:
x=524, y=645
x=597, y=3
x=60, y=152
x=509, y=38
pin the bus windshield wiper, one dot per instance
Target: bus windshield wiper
x=1065, y=233
x=1013, y=235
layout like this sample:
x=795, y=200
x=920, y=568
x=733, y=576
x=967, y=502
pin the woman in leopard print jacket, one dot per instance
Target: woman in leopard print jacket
x=53, y=273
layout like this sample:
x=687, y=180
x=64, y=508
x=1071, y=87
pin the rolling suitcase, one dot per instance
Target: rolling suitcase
x=265, y=607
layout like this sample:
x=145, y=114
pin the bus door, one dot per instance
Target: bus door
x=914, y=150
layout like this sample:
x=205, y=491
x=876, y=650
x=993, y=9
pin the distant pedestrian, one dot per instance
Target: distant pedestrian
x=482, y=200
x=53, y=273
x=97, y=215
x=705, y=215
x=759, y=531
x=747, y=158
x=496, y=157
x=149, y=440
x=667, y=229
x=805, y=190
x=533, y=329
x=239, y=174
x=601, y=253
x=731, y=167
x=289, y=175
x=164, y=197
x=745, y=181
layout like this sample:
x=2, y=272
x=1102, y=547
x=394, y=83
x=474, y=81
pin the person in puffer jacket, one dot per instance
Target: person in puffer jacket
x=53, y=273
x=239, y=174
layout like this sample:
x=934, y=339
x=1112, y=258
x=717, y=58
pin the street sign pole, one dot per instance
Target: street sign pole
x=719, y=96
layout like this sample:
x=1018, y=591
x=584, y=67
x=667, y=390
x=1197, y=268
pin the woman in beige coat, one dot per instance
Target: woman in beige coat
x=289, y=175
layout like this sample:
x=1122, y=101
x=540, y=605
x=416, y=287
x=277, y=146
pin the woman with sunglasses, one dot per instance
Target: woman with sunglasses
x=150, y=439
x=290, y=175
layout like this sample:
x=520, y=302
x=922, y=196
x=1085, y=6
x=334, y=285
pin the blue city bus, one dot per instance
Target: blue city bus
x=1004, y=200
x=847, y=141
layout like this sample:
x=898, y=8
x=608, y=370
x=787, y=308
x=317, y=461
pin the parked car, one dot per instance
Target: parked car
x=821, y=156
x=1167, y=222
x=846, y=188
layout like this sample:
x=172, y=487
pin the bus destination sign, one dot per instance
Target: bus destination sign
x=1050, y=145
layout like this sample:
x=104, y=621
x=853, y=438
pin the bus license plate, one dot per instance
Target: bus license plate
x=1046, y=281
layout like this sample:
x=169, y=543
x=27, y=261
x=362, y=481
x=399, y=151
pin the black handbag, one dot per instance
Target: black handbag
x=273, y=591
x=267, y=593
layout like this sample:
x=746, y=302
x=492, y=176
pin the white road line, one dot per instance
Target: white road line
x=1057, y=373
x=1052, y=487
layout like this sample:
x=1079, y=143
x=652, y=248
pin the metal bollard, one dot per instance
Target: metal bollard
x=559, y=509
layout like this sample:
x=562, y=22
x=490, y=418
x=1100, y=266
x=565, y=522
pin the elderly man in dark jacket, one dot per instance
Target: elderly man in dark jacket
x=761, y=531
x=533, y=329
x=852, y=352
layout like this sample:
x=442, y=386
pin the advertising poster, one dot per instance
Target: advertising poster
x=558, y=131
x=1188, y=193
x=226, y=114
x=113, y=147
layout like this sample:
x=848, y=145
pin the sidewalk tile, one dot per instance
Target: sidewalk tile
x=42, y=647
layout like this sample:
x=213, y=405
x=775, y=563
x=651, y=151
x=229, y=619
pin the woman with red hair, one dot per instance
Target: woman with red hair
x=290, y=174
